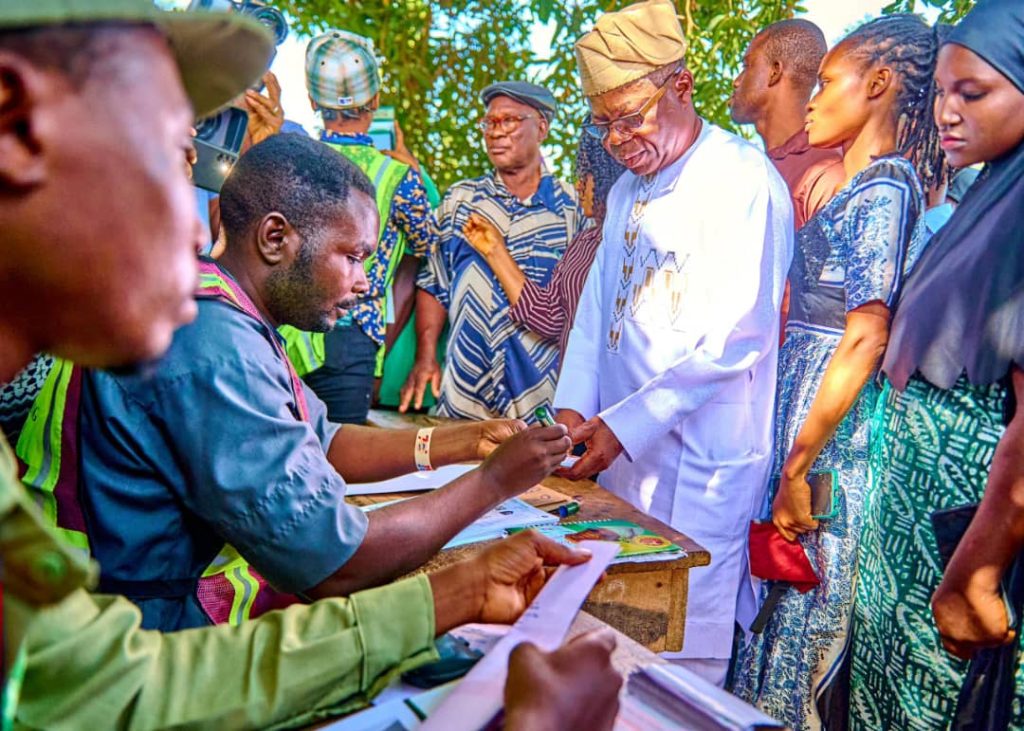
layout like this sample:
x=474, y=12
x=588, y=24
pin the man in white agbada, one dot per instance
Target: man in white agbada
x=669, y=376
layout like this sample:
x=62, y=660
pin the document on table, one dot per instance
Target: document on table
x=545, y=623
x=669, y=697
x=414, y=481
x=403, y=713
x=495, y=523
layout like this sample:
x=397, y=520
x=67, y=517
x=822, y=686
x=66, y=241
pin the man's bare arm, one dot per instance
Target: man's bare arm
x=403, y=536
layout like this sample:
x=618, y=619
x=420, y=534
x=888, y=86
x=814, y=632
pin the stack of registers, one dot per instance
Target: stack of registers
x=671, y=697
x=636, y=543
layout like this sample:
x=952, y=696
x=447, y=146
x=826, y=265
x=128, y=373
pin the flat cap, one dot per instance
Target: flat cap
x=218, y=54
x=629, y=44
x=523, y=91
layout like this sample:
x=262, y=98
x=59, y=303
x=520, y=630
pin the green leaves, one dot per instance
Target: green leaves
x=950, y=11
x=439, y=55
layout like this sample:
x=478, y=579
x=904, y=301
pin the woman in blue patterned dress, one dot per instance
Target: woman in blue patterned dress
x=950, y=421
x=850, y=261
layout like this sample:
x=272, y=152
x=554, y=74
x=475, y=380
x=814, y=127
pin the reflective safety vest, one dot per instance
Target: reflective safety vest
x=306, y=350
x=229, y=590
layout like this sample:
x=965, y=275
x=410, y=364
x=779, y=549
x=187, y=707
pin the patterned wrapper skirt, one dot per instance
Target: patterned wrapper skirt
x=931, y=449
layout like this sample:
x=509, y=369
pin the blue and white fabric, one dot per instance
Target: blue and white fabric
x=496, y=367
x=857, y=249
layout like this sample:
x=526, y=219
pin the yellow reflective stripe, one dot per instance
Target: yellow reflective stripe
x=394, y=172
x=378, y=366
x=244, y=585
x=246, y=588
x=304, y=350
x=39, y=445
x=78, y=541
x=314, y=343
x=36, y=443
x=376, y=173
x=220, y=563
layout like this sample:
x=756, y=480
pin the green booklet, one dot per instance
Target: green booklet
x=633, y=540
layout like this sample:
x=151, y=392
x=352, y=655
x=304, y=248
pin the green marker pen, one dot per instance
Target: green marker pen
x=564, y=511
x=544, y=416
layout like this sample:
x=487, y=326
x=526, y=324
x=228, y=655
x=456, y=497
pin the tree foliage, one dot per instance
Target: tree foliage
x=717, y=33
x=950, y=11
x=439, y=54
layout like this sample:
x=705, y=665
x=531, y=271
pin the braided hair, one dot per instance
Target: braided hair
x=593, y=159
x=907, y=44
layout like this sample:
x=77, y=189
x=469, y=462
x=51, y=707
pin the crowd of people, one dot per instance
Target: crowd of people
x=719, y=326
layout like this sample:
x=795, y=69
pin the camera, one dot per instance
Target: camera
x=218, y=141
x=219, y=138
x=268, y=15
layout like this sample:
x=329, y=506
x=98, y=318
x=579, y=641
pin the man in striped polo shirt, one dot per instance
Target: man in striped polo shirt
x=495, y=366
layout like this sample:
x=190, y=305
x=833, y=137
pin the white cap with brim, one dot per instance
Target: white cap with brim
x=219, y=55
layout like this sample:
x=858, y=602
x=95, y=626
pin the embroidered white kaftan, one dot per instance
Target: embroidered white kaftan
x=675, y=344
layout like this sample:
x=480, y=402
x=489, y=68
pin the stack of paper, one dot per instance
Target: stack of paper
x=671, y=697
x=478, y=697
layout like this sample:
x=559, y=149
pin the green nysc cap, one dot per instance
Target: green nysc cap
x=219, y=55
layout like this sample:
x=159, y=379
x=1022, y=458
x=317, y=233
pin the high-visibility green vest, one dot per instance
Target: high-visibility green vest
x=306, y=350
x=230, y=590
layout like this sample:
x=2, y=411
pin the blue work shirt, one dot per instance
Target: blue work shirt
x=203, y=449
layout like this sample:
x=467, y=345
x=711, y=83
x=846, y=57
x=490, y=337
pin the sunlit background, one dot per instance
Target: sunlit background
x=834, y=17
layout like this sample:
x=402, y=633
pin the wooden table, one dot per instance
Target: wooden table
x=629, y=655
x=644, y=601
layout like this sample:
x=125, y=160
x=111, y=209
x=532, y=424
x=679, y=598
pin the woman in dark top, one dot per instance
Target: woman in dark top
x=946, y=431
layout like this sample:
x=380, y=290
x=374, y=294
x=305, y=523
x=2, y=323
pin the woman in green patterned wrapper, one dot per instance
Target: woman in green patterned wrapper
x=947, y=429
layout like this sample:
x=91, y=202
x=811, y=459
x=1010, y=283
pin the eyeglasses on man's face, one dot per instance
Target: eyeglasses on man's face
x=504, y=123
x=628, y=124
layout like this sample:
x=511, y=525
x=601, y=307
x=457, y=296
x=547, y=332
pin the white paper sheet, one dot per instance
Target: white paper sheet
x=429, y=480
x=478, y=696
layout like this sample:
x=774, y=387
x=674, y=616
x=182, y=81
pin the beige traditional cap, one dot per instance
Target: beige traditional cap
x=629, y=44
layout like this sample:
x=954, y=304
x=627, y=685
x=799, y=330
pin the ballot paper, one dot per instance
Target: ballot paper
x=414, y=481
x=478, y=696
